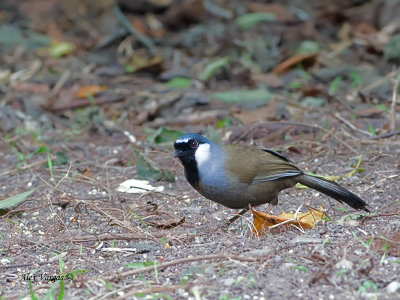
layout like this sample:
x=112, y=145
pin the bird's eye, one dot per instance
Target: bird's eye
x=193, y=144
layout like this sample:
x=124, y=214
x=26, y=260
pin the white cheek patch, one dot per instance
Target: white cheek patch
x=202, y=154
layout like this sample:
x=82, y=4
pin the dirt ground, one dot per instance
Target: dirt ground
x=78, y=237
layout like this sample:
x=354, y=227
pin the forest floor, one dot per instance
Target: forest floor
x=87, y=103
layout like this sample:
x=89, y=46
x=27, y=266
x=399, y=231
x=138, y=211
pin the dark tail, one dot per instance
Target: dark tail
x=333, y=190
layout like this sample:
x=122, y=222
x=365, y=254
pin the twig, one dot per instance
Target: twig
x=380, y=181
x=378, y=215
x=351, y=126
x=395, y=83
x=237, y=216
x=118, y=276
x=144, y=40
x=290, y=220
x=41, y=263
x=118, y=222
x=60, y=83
x=377, y=83
x=24, y=167
x=386, y=135
x=110, y=237
x=13, y=211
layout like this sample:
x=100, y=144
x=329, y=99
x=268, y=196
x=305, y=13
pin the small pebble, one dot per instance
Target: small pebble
x=229, y=281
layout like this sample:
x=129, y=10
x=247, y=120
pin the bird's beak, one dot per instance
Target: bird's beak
x=178, y=153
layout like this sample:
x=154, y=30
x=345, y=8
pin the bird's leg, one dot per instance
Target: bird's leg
x=234, y=218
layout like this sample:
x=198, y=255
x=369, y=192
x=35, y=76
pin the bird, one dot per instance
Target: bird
x=237, y=176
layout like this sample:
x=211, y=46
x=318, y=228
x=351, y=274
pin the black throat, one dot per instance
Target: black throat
x=191, y=171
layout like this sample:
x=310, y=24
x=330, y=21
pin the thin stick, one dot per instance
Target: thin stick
x=350, y=125
x=377, y=83
x=118, y=276
x=132, y=30
x=290, y=220
x=234, y=218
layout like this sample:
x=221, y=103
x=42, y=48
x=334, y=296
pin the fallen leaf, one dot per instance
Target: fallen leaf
x=370, y=112
x=234, y=96
x=164, y=135
x=280, y=11
x=141, y=60
x=307, y=220
x=211, y=68
x=264, y=113
x=155, y=26
x=178, y=82
x=139, y=25
x=269, y=80
x=291, y=62
x=356, y=168
x=16, y=199
x=60, y=49
x=34, y=88
x=90, y=90
x=250, y=20
x=146, y=169
x=391, y=52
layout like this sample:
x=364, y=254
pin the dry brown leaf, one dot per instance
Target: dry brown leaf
x=34, y=88
x=264, y=113
x=307, y=220
x=139, y=25
x=269, y=80
x=370, y=112
x=90, y=90
x=308, y=58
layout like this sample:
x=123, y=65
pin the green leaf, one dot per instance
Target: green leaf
x=179, y=82
x=11, y=36
x=224, y=123
x=250, y=20
x=366, y=286
x=300, y=268
x=309, y=47
x=334, y=85
x=31, y=292
x=382, y=107
x=61, y=264
x=210, y=69
x=72, y=274
x=341, y=272
x=392, y=48
x=164, y=135
x=235, y=96
x=41, y=149
x=17, y=199
x=146, y=169
x=356, y=79
x=60, y=295
x=142, y=264
x=61, y=49
x=371, y=129
x=61, y=159
x=213, y=135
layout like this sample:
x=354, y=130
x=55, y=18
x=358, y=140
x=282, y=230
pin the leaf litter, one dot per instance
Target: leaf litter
x=340, y=55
